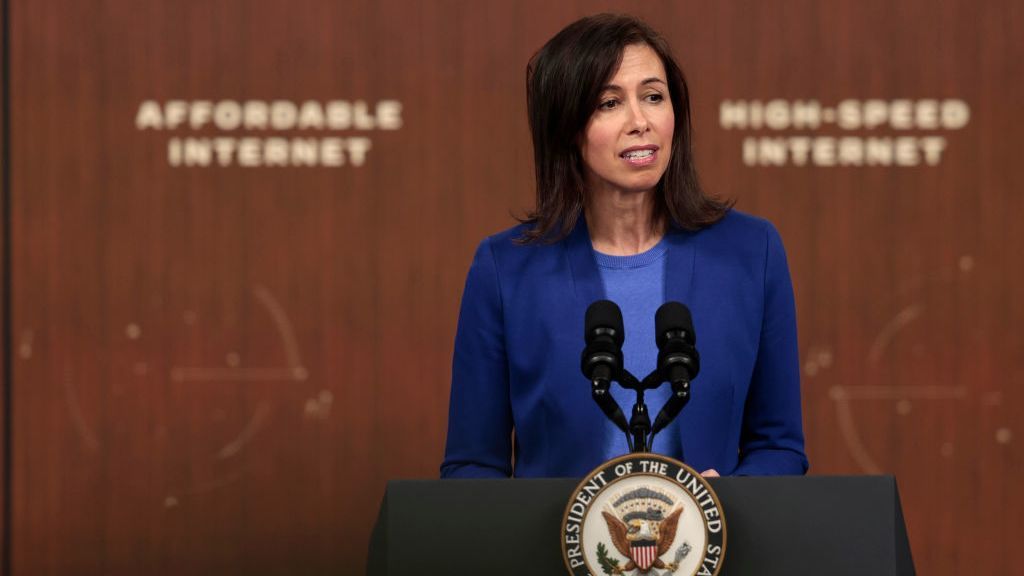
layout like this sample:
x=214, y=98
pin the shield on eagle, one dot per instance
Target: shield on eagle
x=644, y=553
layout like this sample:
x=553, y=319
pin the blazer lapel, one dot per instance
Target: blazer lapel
x=680, y=267
x=585, y=276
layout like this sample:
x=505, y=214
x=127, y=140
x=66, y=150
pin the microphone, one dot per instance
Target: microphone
x=602, y=358
x=603, y=333
x=678, y=361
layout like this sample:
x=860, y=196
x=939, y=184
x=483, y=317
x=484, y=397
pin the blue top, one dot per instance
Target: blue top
x=637, y=284
x=520, y=335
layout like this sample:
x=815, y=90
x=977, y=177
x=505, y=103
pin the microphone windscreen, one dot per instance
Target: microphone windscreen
x=604, y=314
x=673, y=317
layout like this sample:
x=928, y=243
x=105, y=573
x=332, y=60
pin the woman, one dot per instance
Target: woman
x=620, y=215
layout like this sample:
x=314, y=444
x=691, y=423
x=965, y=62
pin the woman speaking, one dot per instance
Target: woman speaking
x=620, y=215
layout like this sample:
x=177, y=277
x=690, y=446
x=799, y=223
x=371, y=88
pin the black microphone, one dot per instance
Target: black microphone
x=602, y=358
x=678, y=361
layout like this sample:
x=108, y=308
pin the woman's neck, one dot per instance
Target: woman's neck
x=623, y=224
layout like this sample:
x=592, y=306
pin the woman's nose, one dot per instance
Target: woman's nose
x=637, y=121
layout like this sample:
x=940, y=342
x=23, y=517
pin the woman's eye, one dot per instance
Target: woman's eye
x=655, y=97
x=608, y=104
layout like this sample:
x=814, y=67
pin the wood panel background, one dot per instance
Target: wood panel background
x=215, y=370
x=5, y=349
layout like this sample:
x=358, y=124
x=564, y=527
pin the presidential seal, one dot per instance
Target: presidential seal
x=643, y=514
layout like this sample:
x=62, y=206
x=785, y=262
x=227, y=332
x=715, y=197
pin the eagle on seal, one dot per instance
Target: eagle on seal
x=643, y=537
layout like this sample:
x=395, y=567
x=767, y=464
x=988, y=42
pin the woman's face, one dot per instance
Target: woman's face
x=628, y=140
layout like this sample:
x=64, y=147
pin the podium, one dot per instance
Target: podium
x=790, y=526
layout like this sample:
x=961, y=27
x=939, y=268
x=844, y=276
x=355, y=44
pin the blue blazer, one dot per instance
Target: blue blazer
x=516, y=370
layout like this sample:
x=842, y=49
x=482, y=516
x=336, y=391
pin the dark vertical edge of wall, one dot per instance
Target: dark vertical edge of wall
x=5, y=287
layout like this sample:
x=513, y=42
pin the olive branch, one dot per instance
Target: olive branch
x=608, y=565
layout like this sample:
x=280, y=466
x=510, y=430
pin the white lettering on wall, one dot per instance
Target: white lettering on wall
x=899, y=132
x=241, y=133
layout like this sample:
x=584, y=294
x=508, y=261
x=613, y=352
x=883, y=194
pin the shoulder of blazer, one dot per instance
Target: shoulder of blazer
x=508, y=252
x=737, y=233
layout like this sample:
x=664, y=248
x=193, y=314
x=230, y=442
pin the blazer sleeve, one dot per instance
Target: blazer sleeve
x=772, y=439
x=479, y=441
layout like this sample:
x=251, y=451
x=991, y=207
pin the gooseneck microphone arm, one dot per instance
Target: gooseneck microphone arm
x=602, y=359
x=602, y=364
x=678, y=361
x=600, y=391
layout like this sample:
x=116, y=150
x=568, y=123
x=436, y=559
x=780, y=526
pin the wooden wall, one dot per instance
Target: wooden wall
x=209, y=363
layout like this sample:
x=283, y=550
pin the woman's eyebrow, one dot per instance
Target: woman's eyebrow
x=646, y=81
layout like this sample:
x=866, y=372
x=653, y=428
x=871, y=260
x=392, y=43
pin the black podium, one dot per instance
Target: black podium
x=791, y=526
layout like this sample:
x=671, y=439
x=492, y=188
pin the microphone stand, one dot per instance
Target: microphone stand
x=640, y=425
x=639, y=437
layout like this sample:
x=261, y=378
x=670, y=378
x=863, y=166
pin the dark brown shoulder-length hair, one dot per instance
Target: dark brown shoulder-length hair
x=564, y=80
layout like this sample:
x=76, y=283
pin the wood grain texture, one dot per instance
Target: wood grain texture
x=215, y=373
x=5, y=346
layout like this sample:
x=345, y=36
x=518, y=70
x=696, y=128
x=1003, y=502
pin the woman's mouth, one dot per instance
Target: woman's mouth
x=640, y=157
